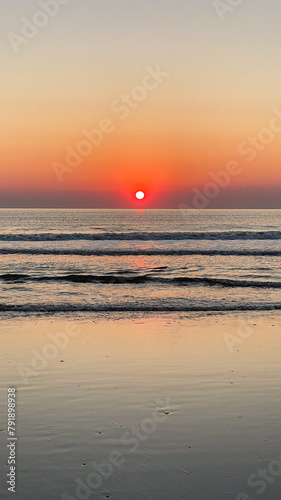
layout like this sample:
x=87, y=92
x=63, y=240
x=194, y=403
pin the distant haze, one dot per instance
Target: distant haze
x=93, y=73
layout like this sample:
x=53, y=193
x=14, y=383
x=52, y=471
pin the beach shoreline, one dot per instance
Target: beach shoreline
x=85, y=383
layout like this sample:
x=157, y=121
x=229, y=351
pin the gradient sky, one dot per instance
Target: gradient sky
x=224, y=82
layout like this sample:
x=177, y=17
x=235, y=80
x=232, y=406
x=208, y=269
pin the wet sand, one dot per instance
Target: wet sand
x=161, y=407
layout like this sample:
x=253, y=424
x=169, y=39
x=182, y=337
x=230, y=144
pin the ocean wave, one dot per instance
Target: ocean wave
x=145, y=236
x=146, y=251
x=125, y=307
x=142, y=279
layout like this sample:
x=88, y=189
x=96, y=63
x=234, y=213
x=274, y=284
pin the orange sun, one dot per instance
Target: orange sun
x=140, y=195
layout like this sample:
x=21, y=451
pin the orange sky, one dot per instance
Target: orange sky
x=220, y=85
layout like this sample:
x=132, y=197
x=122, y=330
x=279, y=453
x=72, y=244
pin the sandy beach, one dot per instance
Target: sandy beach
x=160, y=407
x=140, y=250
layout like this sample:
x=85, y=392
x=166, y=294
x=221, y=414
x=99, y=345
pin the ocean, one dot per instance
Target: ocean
x=150, y=334
x=74, y=261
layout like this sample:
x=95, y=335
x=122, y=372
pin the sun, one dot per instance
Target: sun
x=140, y=195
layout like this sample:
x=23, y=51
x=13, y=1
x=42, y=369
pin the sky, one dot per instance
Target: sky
x=178, y=98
